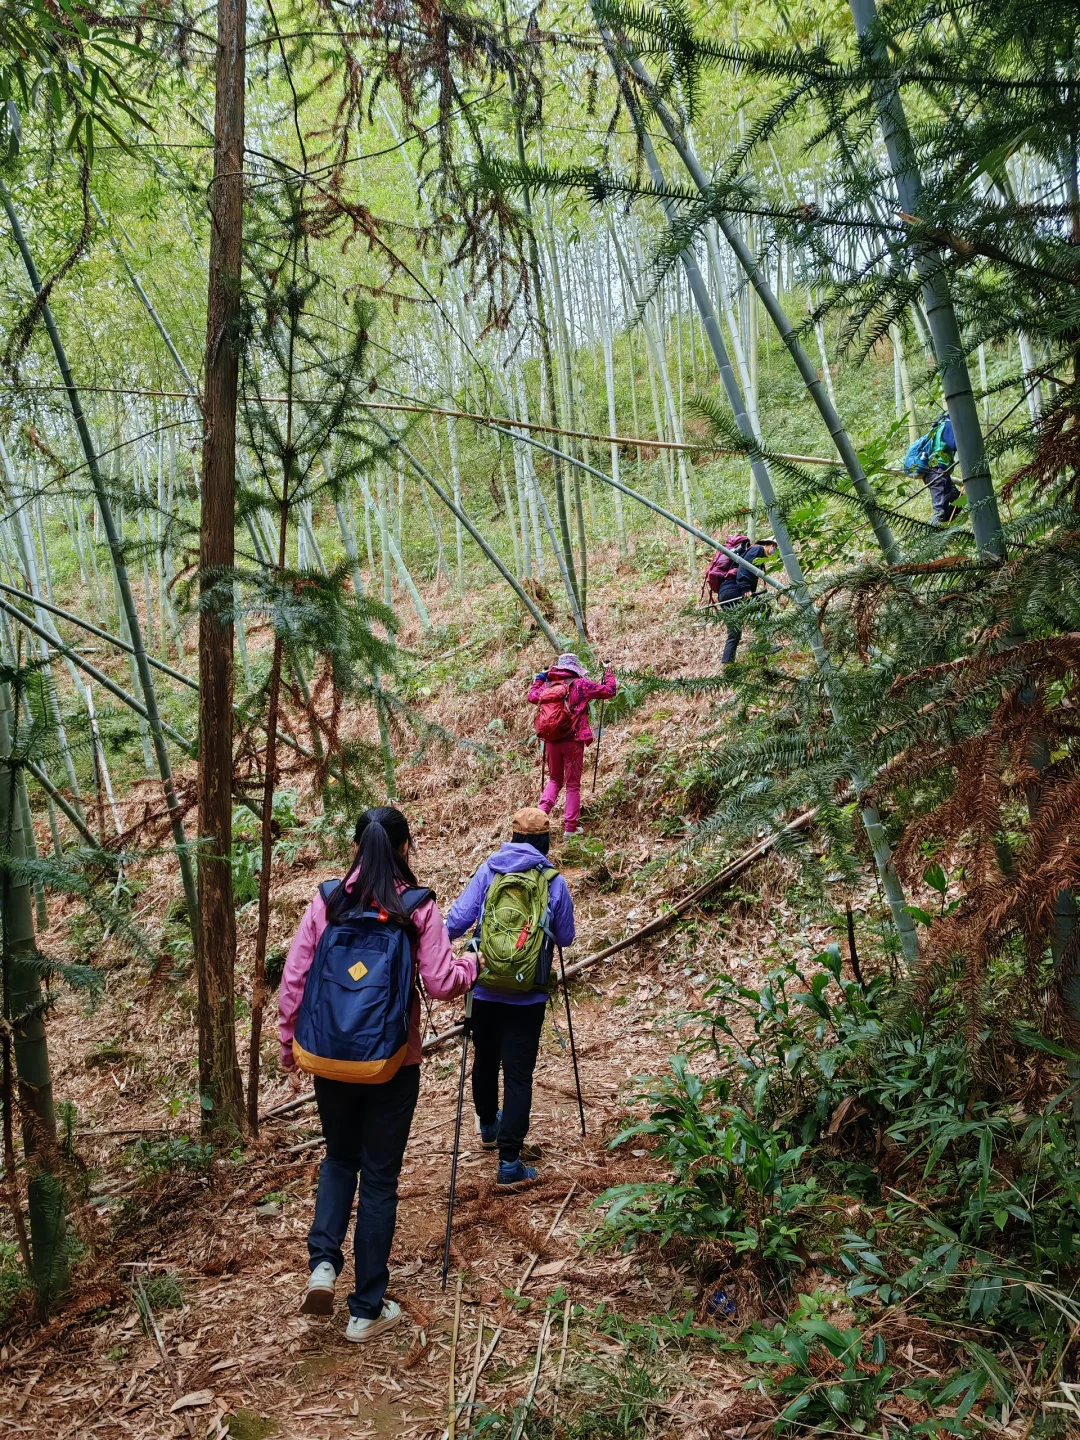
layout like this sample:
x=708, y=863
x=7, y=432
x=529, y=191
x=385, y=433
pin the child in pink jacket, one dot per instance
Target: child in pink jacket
x=366, y=1126
x=565, y=757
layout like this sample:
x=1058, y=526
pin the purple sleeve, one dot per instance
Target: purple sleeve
x=562, y=913
x=465, y=910
x=536, y=689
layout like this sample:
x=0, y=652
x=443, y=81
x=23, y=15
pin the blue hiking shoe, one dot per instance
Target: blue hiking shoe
x=489, y=1134
x=514, y=1172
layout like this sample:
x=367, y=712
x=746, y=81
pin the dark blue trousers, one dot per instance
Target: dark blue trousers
x=732, y=593
x=366, y=1129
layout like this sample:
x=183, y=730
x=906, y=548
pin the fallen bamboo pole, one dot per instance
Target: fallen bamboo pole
x=720, y=881
x=478, y=1370
x=642, y=442
x=562, y=1359
x=523, y=1410
x=551, y=1231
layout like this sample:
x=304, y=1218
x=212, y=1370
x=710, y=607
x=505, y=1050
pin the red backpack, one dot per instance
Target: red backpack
x=553, y=719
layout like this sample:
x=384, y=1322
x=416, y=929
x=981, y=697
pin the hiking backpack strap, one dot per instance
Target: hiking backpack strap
x=413, y=898
x=547, y=954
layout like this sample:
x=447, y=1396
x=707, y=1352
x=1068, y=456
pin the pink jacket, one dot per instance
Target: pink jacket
x=444, y=974
x=582, y=690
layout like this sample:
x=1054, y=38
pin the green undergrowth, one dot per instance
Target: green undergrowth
x=883, y=1232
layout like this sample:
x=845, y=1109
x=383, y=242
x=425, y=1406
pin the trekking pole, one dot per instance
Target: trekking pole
x=599, y=742
x=543, y=763
x=466, y=1026
x=427, y=1005
x=573, y=1047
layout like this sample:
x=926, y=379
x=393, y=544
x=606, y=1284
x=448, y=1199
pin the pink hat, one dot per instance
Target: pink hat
x=569, y=662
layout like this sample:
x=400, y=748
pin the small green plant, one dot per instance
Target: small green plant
x=176, y=1152
x=826, y=1379
x=157, y=1293
x=14, y=1280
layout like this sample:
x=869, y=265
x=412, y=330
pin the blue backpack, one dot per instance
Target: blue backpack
x=354, y=1018
x=919, y=459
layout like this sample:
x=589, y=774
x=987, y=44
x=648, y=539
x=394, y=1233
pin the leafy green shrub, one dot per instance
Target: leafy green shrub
x=175, y=1152
x=826, y=1379
x=733, y=1178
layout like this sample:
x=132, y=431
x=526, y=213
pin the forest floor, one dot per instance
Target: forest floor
x=217, y=1245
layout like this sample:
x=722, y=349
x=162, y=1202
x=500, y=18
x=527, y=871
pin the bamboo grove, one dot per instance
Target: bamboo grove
x=439, y=296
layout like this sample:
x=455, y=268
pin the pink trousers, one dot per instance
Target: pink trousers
x=564, y=761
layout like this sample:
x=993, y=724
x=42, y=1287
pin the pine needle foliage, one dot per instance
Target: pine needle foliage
x=972, y=736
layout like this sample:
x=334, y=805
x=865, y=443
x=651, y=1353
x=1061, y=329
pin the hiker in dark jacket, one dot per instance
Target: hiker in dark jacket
x=506, y=1027
x=565, y=752
x=932, y=457
x=740, y=586
x=939, y=481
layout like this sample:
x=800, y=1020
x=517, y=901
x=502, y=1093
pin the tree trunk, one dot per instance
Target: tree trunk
x=22, y=1008
x=219, y=1071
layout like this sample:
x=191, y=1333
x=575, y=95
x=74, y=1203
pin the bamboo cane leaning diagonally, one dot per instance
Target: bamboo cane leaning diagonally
x=573, y=1047
x=466, y=1028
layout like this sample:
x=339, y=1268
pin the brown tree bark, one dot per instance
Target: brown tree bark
x=219, y=1070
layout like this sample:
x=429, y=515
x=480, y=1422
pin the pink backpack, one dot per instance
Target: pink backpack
x=722, y=568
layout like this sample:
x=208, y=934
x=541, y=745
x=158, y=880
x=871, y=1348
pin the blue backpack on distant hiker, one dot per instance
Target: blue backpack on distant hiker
x=354, y=1018
x=936, y=447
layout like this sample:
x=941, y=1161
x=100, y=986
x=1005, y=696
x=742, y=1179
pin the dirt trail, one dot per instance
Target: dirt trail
x=224, y=1258
x=241, y=1350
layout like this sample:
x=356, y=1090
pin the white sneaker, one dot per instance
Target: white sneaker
x=319, y=1297
x=360, y=1328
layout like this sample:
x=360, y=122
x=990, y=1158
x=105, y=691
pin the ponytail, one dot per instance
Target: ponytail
x=377, y=867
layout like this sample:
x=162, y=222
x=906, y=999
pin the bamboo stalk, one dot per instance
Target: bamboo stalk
x=478, y=1370
x=452, y=1426
x=523, y=1409
x=815, y=388
x=104, y=509
x=522, y=595
x=99, y=675
x=557, y=1388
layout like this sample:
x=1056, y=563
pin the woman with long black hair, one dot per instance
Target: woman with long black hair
x=349, y=1014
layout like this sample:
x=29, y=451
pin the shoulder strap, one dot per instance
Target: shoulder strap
x=414, y=898
x=550, y=873
x=327, y=889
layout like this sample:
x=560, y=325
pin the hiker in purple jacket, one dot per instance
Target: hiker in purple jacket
x=505, y=1027
x=564, y=727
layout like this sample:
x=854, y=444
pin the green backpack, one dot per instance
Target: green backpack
x=516, y=943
